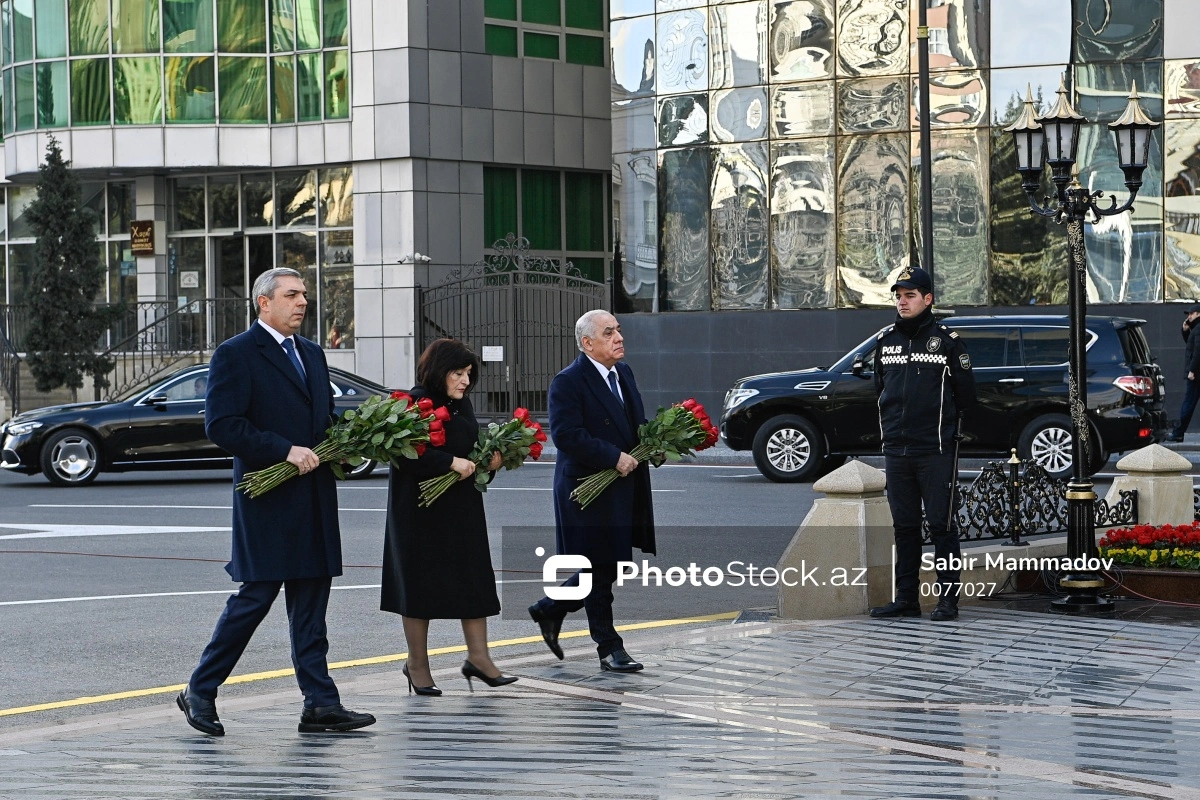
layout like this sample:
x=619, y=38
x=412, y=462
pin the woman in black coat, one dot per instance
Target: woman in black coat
x=436, y=560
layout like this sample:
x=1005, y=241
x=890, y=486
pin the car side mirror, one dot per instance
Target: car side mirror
x=157, y=400
x=858, y=367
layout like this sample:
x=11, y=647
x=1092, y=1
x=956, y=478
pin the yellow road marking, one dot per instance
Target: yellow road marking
x=357, y=662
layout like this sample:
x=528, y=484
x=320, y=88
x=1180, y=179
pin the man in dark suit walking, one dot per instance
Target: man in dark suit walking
x=269, y=400
x=595, y=411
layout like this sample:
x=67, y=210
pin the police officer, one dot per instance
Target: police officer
x=924, y=381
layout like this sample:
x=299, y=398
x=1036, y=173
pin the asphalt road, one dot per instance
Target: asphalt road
x=115, y=587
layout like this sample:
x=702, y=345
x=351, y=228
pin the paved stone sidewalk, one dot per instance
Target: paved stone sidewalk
x=1002, y=704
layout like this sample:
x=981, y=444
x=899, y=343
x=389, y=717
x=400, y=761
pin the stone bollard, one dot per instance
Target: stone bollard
x=844, y=545
x=1163, y=485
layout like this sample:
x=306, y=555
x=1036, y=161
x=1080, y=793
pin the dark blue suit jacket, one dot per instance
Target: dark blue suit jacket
x=257, y=408
x=591, y=429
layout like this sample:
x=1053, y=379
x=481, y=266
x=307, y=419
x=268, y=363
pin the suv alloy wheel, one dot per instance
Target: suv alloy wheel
x=789, y=449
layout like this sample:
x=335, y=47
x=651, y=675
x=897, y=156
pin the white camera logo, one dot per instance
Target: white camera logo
x=569, y=564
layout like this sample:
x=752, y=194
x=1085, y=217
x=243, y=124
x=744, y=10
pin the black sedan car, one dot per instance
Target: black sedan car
x=158, y=428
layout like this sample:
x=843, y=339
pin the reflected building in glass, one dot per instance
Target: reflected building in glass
x=787, y=135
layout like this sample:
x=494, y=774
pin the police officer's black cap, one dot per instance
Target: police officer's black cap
x=914, y=278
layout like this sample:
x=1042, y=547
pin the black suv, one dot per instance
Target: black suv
x=803, y=424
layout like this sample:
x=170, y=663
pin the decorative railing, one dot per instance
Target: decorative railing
x=10, y=370
x=1014, y=499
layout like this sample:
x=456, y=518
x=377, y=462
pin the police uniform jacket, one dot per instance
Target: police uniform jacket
x=924, y=383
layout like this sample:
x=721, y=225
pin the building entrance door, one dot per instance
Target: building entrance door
x=237, y=260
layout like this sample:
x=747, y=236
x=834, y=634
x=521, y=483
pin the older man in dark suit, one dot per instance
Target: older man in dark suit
x=595, y=411
x=269, y=400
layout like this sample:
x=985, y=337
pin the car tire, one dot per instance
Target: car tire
x=1047, y=441
x=363, y=470
x=70, y=458
x=789, y=449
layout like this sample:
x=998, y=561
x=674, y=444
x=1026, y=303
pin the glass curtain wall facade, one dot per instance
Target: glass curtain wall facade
x=766, y=152
x=149, y=62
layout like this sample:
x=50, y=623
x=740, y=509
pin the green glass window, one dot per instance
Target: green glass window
x=22, y=31
x=19, y=200
x=308, y=86
x=308, y=24
x=25, y=97
x=241, y=26
x=137, y=91
x=542, y=12
x=296, y=251
x=585, y=14
x=5, y=31
x=187, y=195
x=541, y=45
x=135, y=26
x=10, y=115
x=89, y=27
x=283, y=26
x=188, y=26
x=500, y=40
x=541, y=213
x=223, y=202
x=257, y=200
x=90, y=92
x=335, y=23
x=499, y=204
x=120, y=207
x=337, y=197
x=337, y=289
x=500, y=9
x=51, y=28
x=585, y=211
x=337, y=84
x=21, y=259
x=283, y=89
x=243, y=89
x=585, y=50
x=590, y=268
x=92, y=198
x=191, y=89
x=53, y=98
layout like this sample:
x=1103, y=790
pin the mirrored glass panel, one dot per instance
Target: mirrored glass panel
x=257, y=200
x=682, y=46
x=801, y=40
x=1107, y=30
x=187, y=204
x=737, y=41
x=1182, y=82
x=873, y=104
x=25, y=101
x=635, y=227
x=630, y=8
x=960, y=215
x=958, y=33
x=1102, y=90
x=122, y=271
x=740, y=220
x=1008, y=87
x=22, y=30
x=683, y=186
x=53, y=98
x=191, y=89
x=120, y=207
x=51, y=18
x=337, y=197
x=1182, y=206
x=1017, y=42
x=19, y=199
x=802, y=109
x=674, y=5
x=683, y=120
x=135, y=26
x=223, y=202
x=739, y=115
x=633, y=125
x=337, y=289
x=296, y=199
x=803, y=224
x=337, y=84
x=873, y=231
x=89, y=27
x=958, y=99
x=244, y=89
x=242, y=26
x=137, y=91
x=872, y=37
x=633, y=59
x=188, y=26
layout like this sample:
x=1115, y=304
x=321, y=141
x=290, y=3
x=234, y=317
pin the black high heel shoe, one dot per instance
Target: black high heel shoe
x=424, y=691
x=469, y=671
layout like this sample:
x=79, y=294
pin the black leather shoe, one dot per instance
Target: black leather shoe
x=201, y=714
x=945, y=611
x=425, y=691
x=332, y=718
x=619, y=661
x=550, y=627
x=897, y=608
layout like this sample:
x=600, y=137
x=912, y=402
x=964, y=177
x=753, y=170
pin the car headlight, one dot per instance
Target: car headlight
x=735, y=397
x=22, y=428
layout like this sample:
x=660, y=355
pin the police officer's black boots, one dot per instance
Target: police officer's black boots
x=946, y=610
x=897, y=608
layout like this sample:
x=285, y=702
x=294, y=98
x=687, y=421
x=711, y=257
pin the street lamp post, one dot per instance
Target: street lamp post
x=1053, y=139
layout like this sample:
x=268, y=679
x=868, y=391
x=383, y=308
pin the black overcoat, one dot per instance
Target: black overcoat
x=436, y=561
x=257, y=408
x=590, y=430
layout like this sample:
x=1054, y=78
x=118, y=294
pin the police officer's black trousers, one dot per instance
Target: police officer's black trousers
x=911, y=481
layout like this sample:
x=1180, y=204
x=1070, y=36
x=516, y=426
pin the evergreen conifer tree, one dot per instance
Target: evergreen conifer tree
x=65, y=324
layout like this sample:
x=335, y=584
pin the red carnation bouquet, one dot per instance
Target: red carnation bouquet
x=381, y=429
x=673, y=433
x=514, y=440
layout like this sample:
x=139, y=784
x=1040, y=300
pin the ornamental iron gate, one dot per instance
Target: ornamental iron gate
x=517, y=312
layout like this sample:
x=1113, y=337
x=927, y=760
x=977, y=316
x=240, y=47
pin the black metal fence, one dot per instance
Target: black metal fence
x=518, y=312
x=1015, y=499
x=10, y=370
